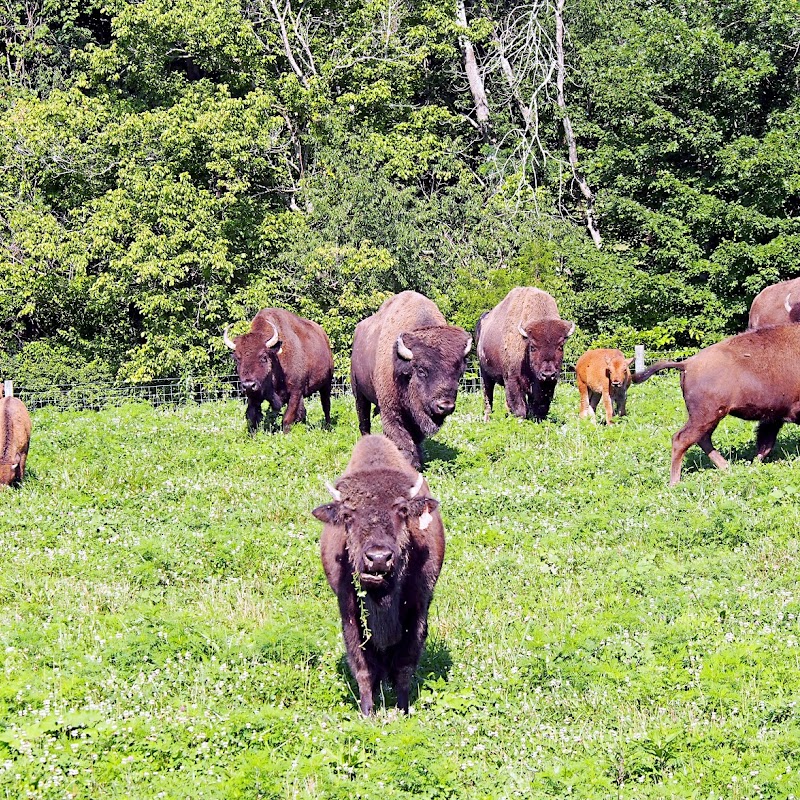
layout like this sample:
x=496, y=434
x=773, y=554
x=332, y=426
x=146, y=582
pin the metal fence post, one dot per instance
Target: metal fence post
x=638, y=351
x=8, y=388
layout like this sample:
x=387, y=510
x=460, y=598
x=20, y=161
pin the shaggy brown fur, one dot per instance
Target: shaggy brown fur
x=297, y=365
x=769, y=305
x=603, y=373
x=751, y=376
x=15, y=438
x=528, y=366
x=414, y=396
x=392, y=544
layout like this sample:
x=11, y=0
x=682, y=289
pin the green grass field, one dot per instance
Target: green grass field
x=167, y=630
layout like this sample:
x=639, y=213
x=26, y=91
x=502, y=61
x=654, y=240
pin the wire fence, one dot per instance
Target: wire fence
x=189, y=389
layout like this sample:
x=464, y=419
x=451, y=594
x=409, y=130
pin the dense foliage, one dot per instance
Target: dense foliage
x=168, y=631
x=168, y=167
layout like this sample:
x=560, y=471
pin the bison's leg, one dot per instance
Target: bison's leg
x=515, y=398
x=694, y=433
x=585, y=409
x=295, y=411
x=364, y=674
x=488, y=395
x=409, y=651
x=253, y=414
x=620, y=398
x=766, y=435
x=325, y=399
x=540, y=399
x=608, y=407
x=362, y=409
x=394, y=430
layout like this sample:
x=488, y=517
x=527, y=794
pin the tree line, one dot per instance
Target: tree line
x=170, y=167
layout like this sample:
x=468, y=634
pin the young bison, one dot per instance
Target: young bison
x=15, y=438
x=603, y=373
x=751, y=376
x=382, y=549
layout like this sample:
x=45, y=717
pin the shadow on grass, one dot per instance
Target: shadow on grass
x=786, y=448
x=438, y=451
x=435, y=663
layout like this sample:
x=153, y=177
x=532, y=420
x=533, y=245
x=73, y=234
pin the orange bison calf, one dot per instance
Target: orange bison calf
x=15, y=437
x=752, y=376
x=382, y=550
x=603, y=373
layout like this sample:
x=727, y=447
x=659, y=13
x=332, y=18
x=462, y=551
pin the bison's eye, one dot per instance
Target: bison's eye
x=422, y=372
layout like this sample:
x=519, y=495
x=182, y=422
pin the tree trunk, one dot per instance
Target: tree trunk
x=586, y=191
x=473, y=73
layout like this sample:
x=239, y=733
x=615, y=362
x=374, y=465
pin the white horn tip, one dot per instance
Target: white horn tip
x=335, y=493
x=416, y=487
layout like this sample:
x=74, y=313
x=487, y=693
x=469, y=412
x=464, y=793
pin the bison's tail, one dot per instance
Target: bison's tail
x=640, y=377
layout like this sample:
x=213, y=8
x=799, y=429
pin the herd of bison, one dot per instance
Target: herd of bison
x=382, y=543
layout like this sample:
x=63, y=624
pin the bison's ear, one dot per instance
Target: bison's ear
x=419, y=508
x=629, y=361
x=330, y=513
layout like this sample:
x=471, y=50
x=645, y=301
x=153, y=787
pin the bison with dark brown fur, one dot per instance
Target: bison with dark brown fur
x=603, y=373
x=521, y=346
x=15, y=438
x=751, y=376
x=382, y=550
x=408, y=362
x=778, y=304
x=282, y=359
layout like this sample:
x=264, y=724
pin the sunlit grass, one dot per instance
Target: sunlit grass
x=167, y=630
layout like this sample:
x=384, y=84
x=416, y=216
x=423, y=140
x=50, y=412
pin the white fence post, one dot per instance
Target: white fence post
x=8, y=388
x=638, y=351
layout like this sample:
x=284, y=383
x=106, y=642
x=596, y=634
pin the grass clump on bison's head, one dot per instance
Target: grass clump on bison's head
x=168, y=631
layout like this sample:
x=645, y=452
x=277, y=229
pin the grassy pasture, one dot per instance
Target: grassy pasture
x=167, y=630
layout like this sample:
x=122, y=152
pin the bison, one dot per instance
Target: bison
x=521, y=346
x=15, y=438
x=778, y=304
x=603, y=373
x=282, y=359
x=382, y=549
x=750, y=376
x=407, y=361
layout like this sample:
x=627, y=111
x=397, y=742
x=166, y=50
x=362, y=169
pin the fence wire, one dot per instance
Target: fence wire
x=180, y=391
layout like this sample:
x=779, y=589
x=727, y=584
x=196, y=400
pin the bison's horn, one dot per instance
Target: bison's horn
x=469, y=345
x=271, y=342
x=402, y=350
x=335, y=493
x=416, y=487
x=570, y=331
x=522, y=331
x=787, y=305
x=227, y=339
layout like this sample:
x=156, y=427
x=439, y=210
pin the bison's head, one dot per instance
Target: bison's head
x=545, y=351
x=376, y=529
x=9, y=473
x=428, y=365
x=256, y=357
x=618, y=371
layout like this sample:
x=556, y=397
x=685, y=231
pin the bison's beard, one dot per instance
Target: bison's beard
x=383, y=619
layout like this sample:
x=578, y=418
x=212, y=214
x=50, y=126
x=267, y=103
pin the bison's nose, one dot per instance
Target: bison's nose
x=445, y=406
x=250, y=386
x=548, y=374
x=378, y=559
